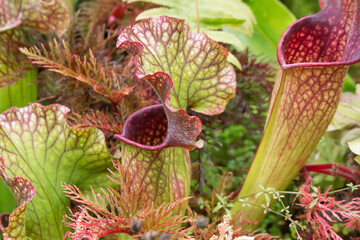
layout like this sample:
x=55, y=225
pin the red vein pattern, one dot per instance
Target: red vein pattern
x=36, y=143
x=162, y=175
x=186, y=70
x=314, y=54
x=161, y=171
x=38, y=14
x=202, y=78
x=24, y=192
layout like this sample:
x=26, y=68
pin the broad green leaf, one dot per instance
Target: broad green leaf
x=305, y=97
x=201, y=76
x=20, y=93
x=272, y=18
x=225, y=37
x=350, y=135
x=213, y=14
x=349, y=84
x=7, y=200
x=349, y=111
x=37, y=144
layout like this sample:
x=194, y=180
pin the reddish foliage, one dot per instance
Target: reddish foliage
x=324, y=209
x=87, y=227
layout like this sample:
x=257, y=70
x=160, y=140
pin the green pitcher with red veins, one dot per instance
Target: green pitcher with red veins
x=187, y=70
x=314, y=54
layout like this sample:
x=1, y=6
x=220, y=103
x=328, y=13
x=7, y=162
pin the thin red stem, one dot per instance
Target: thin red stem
x=334, y=169
x=331, y=172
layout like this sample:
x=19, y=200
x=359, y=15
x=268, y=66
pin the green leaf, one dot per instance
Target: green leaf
x=357, y=159
x=202, y=78
x=158, y=12
x=7, y=200
x=20, y=93
x=225, y=37
x=221, y=199
x=216, y=23
x=349, y=84
x=313, y=203
x=234, y=61
x=213, y=14
x=267, y=200
x=272, y=18
x=355, y=146
x=258, y=194
x=218, y=207
x=37, y=144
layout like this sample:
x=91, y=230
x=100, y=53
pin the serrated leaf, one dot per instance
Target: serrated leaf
x=36, y=143
x=202, y=78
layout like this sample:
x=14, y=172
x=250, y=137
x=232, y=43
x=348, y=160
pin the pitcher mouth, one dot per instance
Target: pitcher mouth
x=147, y=129
x=323, y=39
